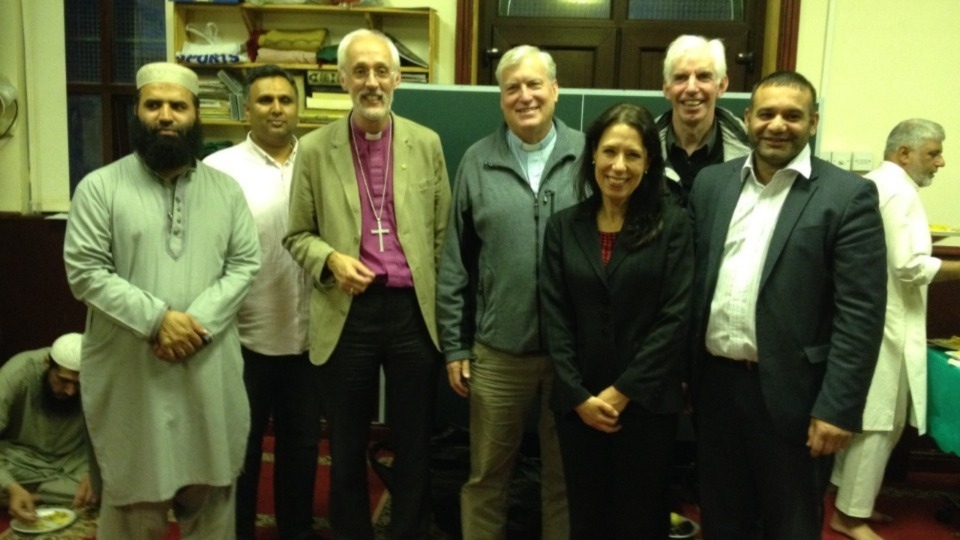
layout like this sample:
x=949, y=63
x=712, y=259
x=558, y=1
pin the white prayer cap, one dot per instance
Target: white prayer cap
x=168, y=72
x=66, y=351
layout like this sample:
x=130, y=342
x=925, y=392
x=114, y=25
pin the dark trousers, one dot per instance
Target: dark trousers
x=754, y=483
x=288, y=389
x=618, y=484
x=384, y=329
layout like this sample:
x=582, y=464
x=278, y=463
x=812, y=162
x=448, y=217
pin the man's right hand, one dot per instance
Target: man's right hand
x=22, y=503
x=180, y=335
x=352, y=276
x=458, y=372
x=599, y=415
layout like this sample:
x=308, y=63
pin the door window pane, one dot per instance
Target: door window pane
x=83, y=41
x=85, y=129
x=687, y=10
x=140, y=36
x=581, y=9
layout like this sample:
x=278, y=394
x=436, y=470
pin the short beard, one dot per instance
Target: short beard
x=162, y=152
x=51, y=403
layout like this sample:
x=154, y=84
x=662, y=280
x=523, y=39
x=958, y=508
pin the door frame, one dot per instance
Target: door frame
x=468, y=20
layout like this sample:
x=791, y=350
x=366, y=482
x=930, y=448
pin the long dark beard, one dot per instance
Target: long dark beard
x=54, y=405
x=163, y=152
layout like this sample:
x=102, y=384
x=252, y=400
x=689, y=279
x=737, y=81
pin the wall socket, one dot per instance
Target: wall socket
x=841, y=159
x=862, y=161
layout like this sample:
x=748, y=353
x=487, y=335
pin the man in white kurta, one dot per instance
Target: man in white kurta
x=43, y=442
x=162, y=249
x=912, y=155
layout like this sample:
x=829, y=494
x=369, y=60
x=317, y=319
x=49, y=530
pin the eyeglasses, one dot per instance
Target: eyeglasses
x=361, y=73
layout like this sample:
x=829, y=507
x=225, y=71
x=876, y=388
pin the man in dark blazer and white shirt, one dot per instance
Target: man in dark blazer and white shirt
x=789, y=298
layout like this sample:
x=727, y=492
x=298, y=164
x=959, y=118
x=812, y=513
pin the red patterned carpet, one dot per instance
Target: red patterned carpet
x=913, y=505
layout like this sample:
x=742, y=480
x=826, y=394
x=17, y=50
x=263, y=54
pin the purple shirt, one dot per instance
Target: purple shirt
x=390, y=265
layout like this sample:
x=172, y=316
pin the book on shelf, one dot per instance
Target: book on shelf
x=335, y=101
x=414, y=77
x=235, y=87
x=320, y=116
x=407, y=57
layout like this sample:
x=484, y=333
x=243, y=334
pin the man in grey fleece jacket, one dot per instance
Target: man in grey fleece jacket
x=696, y=133
x=488, y=310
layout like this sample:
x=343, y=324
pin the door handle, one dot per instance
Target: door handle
x=745, y=59
x=491, y=55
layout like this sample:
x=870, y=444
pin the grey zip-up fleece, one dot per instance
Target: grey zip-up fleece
x=733, y=132
x=487, y=283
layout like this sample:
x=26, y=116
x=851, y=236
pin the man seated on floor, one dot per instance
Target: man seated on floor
x=43, y=445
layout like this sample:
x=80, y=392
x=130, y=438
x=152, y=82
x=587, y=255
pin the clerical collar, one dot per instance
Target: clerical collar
x=518, y=144
x=369, y=136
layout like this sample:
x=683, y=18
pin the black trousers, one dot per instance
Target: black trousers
x=384, y=329
x=618, y=484
x=288, y=389
x=754, y=482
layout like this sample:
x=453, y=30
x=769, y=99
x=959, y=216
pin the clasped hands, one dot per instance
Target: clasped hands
x=602, y=412
x=180, y=336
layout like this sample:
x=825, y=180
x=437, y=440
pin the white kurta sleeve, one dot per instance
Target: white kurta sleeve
x=91, y=271
x=908, y=239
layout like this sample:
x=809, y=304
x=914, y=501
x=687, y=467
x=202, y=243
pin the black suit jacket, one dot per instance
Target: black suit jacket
x=624, y=324
x=820, y=306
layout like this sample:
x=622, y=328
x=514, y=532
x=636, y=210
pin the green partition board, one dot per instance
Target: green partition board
x=462, y=115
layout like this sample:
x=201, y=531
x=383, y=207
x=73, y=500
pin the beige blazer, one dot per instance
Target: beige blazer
x=325, y=217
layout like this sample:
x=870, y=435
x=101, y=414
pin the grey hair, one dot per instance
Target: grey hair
x=514, y=56
x=912, y=134
x=363, y=32
x=686, y=46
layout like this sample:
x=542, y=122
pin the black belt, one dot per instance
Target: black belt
x=745, y=365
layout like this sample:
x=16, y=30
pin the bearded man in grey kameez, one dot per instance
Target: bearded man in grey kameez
x=162, y=249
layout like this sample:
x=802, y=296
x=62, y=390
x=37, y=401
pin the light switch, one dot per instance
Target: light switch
x=841, y=159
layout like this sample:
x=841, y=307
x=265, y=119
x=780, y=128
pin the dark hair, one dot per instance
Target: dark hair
x=787, y=78
x=267, y=71
x=644, y=219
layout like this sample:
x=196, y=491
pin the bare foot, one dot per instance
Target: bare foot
x=856, y=528
x=880, y=517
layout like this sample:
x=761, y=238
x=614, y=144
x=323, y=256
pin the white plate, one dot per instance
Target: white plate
x=693, y=532
x=49, y=519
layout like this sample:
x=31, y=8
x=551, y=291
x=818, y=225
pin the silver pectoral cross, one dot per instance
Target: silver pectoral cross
x=380, y=231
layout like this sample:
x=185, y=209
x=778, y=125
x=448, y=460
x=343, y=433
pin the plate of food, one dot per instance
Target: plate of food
x=951, y=343
x=49, y=519
x=681, y=527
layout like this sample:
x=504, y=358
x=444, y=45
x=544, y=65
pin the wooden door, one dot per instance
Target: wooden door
x=613, y=48
x=585, y=57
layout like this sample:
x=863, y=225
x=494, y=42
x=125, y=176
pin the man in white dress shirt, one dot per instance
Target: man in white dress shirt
x=913, y=153
x=788, y=317
x=279, y=378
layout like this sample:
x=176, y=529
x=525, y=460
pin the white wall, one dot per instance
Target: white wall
x=34, y=164
x=13, y=148
x=876, y=62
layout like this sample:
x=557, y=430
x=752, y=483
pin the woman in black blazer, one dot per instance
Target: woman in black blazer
x=615, y=283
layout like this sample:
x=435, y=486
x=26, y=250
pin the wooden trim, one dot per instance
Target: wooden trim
x=466, y=42
x=789, y=31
